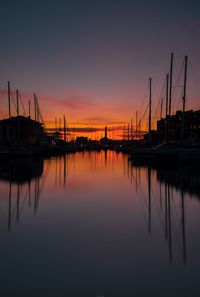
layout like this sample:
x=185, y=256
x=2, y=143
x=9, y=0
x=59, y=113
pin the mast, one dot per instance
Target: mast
x=150, y=105
x=149, y=196
x=136, y=123
x=167, y=103
x=64, y=128
x=128, y=132
x=131, y=129
x=29, y=108
x=170, y=83
x=9, y=107
x=170, y=92
x=17, y=96
x=161, y=108
x=38, y=110
x=35, y=107
x=184, y=99
x=55, y=124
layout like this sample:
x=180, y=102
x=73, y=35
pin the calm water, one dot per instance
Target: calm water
x=90, y=224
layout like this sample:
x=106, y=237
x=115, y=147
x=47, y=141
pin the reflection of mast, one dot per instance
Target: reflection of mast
x=64, y=171
x=105, y=157
x=37, y=192
x=169, y=224
x=35, y=197
x=9, y=207
x=56, y=171
x=29, y=193
x=183, y=226
x=136, y=179
x=161, y=206
x=18, y=201
x=149, y=195
x=166, y=211
x=60, y=171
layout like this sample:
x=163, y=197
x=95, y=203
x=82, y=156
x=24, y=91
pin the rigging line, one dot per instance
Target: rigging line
x=23, y=203
x=178, y=81
x=193, y=72
x=140, y=121
x=41, y=117
x=196, y=78
x=156, y=112
x=11, y=95
x=44, y=178
x=179, y=102
x=144, y=98
x=159, y=100
x=175, y=89
x=15, y=206
x=156, y=206
x=141, y=192
x=176, y=224
x=22, y=104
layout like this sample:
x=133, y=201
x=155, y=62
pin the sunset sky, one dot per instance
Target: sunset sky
x=91, y=60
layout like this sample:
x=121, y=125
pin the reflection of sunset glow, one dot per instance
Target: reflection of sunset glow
x=96, y=206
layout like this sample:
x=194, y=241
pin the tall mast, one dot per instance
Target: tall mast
x=184, y=99
x=29, y=108
x=150, y=105
x=170, y=92
x=128, y=132
x=56, y=125
x=17, y=96
x=136, y=123
x=161, y=108
x=9, y=107
x=167, y=103
x=170, y=83
x=64, y=128
x=35, y=107
x=131, y=129
x=38, y=110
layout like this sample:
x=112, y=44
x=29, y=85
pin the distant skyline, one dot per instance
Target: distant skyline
x=91, y=60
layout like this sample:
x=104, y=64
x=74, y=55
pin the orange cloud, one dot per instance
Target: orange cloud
x=72, y=102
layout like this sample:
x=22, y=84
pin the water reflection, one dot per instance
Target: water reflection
x=186, y=182
x=111, y=210
x=22, y=177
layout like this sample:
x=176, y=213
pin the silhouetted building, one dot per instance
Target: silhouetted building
x=191, y=126
x=20, y=130
x=82, y=140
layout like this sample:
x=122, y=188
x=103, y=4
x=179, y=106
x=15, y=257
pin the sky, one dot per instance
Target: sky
x=91, y=60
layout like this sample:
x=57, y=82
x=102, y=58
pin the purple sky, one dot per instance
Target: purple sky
x=92, y=59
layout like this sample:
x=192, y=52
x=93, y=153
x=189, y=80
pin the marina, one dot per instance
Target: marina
x=100, y=148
